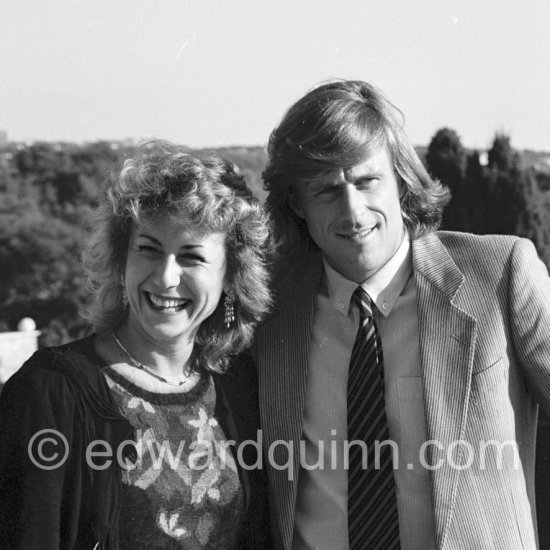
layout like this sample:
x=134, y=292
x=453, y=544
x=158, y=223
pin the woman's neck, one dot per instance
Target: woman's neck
x=169, y=359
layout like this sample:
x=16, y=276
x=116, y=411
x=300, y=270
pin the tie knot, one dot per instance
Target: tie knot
x=363, y=301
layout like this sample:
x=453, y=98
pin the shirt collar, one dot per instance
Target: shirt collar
x=384, y=287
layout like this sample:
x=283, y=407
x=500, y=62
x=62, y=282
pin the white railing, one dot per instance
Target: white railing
x=17, y=347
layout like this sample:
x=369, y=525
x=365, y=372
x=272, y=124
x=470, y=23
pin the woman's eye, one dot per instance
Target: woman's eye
x=191, y=259
x=146, y=248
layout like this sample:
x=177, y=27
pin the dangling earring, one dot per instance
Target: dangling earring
x=123, y=291
x=229, y=311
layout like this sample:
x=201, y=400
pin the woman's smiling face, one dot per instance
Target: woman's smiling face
x=175, y=276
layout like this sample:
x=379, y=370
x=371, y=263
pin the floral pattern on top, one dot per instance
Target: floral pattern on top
x=183, y=491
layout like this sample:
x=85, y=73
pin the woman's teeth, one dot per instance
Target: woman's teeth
x=174, y=304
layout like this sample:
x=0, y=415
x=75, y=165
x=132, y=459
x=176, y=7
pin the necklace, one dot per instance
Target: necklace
x=135, y=363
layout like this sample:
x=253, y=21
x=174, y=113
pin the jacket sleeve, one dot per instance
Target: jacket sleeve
x=240, y=388
x=37, y=419
x=530, y=318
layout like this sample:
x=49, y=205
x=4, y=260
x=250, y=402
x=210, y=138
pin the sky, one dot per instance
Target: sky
x=209, y=73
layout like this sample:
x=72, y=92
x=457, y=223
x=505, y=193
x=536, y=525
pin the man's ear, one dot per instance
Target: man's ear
x=294, y=202
x=402, y=188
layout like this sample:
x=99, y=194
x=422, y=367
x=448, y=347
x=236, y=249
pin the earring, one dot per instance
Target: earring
x=229, y=309
x=123, y=291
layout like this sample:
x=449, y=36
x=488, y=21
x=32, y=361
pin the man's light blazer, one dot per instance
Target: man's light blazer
x=484, y=317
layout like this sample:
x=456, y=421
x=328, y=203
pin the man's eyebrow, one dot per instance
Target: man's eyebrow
x=321, y=185
x=367, y=172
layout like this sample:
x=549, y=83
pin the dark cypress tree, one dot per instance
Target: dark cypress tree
x=446, y=160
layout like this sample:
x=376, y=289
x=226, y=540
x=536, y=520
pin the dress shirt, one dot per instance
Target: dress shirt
x=321, y=507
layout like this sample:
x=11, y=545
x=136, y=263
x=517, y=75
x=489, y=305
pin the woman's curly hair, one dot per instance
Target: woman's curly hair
x=203, y=191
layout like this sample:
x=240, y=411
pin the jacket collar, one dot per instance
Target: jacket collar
x=432, y=261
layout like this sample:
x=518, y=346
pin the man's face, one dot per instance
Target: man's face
x=354, y=215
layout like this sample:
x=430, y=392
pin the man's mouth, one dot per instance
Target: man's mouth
x=165, y=303
x=358, y=235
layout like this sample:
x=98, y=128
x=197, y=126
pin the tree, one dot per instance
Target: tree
x=41, y=275
x=502, y=198
x=45, y=212
x=446, y=158
x=502, y=158
x=446, y=161
x=251, y=162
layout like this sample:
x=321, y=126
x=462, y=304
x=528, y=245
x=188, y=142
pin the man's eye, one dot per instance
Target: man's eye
x=367, y=182
x=326, y=191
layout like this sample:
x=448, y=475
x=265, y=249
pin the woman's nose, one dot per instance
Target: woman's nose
x=169, y=272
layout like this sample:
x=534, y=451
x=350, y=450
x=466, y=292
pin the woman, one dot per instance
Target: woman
x=176, y=265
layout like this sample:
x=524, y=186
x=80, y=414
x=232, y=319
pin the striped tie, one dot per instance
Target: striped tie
x=372, y=505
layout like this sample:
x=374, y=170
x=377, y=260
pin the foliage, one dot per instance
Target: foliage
x=41, y=275
x=251, y=162
x=446, y=157
x=446, y=161
x=507, y=196
x=502, y=158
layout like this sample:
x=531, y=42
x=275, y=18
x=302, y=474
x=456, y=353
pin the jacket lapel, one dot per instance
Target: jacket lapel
x=447, y=345
x=282, y=353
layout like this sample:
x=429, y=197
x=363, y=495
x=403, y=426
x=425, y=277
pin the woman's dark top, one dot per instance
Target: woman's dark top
x=50, y=498
x=183, y=491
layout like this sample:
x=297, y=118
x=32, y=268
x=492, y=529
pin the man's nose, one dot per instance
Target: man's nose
x=352, y=204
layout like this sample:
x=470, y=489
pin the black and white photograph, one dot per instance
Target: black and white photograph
x=274, y=275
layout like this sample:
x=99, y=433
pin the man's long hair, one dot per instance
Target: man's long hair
x=338, y=125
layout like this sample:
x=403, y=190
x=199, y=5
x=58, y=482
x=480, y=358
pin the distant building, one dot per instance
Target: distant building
x=543, y=165
x=3, y=138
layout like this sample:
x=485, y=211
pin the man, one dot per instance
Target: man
x=463, y=322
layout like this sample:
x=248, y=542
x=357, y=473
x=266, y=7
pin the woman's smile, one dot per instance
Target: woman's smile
x=166, y=304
